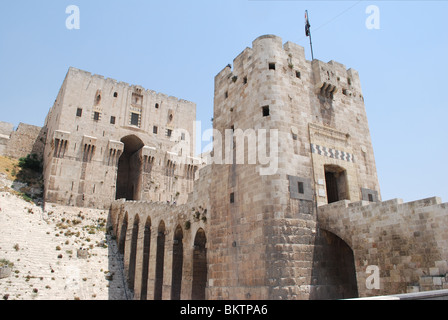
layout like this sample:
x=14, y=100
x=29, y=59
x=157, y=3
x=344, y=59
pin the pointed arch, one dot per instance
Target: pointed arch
x=199, y=266
x=178, y=260
x=133, y=253
x=145, y=262
x=122, y=235
x=160, y=256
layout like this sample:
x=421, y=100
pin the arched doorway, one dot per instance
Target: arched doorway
x=178, y=260
x=133, y=255
x=160, y=256
x=336, y=183
x=199, y=266
x=129, y=169
x=333, y=274
x=145, y=262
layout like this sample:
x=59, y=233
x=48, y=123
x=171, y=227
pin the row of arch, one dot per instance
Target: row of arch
x=199, y=256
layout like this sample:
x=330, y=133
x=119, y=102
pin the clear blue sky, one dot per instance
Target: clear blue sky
x=177, y=47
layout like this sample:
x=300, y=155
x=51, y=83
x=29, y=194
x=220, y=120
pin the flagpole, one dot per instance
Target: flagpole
x=308, y=32
x=311, y=45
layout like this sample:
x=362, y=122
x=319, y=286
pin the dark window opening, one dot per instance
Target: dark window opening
x=154, y=130
x=349, y=81
x=182, y=136
x=300, y=185
x=336, y=183
x=271, y=66
x=169, y=132
x=79, y=112
x=226, y=94
x=245, y=80
x=157, y=106
x=265, y=111
x=344, y=92
x=115, y=94
x=134, y=119
x=232, y=197
x=112, y=120
x=96, y=116
x=298, y=75
x=370, y=197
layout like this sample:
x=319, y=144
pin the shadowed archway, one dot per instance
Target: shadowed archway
x=199, y=266
x=130, y=169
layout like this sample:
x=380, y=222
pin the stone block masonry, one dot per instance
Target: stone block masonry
x=407, y=241
x=296, y=216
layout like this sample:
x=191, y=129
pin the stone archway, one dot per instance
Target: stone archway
x=160, y=257
x=333, y=275
x=199, y=266
x=177, y=267
x=129, y=171
x=133, y=253
x=145, y=262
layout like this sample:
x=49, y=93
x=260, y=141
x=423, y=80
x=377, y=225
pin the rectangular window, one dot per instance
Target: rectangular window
x=182, y=136
x=271, y=66
x=79, y=112
x=134, y=119
x=96, y=116
x=265, y=111
x=232, y=197
x=300, y=186
x=112, y=120
x=298, y=75
x=154, y=130
x=370, y=197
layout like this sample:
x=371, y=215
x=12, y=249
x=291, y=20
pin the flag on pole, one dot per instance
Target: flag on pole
x=307, y=24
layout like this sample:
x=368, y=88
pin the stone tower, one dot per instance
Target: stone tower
x=306, y=143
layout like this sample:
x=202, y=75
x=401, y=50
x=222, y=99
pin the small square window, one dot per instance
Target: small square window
x=96, y=116
x=154, y=130
x=112, y=120
x=300, y=186
x=232, y=197
x=115, y=94
x=271, y=66
x=265, y=111
x=79, y=112
x=134, y=119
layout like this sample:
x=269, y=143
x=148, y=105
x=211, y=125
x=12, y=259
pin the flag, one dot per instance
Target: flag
x=307, y=24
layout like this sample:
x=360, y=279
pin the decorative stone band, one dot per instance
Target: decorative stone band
x=332, y=153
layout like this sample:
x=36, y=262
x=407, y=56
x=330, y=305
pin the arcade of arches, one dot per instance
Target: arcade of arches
x=163, y=260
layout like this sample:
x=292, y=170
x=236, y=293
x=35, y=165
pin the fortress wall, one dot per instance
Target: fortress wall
x=407, y=241
x=25, y=140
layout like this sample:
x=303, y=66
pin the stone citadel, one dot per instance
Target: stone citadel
x=286, y=206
